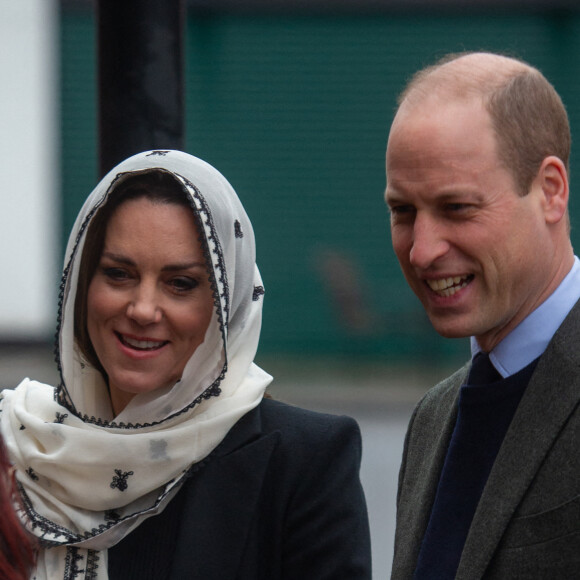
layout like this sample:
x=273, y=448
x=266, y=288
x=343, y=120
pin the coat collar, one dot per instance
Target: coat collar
x=211, y=540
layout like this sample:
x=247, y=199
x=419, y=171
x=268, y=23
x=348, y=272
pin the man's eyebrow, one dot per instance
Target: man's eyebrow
x=460, y=194
x=393, y=197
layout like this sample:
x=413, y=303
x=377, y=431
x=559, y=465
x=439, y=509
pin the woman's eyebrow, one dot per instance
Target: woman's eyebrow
x=119, y=258
x=183, y=266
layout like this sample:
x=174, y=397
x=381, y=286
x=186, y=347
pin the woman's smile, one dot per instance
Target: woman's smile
x=140, y=344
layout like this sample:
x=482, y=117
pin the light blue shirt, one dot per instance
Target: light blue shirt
x=527, y=341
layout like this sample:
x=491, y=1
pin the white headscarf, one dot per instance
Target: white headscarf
x=88, y=478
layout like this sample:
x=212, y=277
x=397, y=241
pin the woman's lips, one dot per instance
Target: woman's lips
x=143, y=344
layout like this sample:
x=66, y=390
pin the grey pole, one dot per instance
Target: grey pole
x=140, y=77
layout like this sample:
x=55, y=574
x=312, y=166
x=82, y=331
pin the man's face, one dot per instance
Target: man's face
x=475, y=252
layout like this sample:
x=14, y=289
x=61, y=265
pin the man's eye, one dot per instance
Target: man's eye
x=402, y=210
x=459, y=208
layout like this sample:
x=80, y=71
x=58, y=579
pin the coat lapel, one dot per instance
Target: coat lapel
x=550, y=398
x=427, y=440
x=220, y=503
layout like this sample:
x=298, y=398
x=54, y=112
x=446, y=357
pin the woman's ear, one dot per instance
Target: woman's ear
x=552, y=178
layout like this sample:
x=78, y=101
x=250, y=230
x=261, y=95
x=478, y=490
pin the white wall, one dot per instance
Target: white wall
x=29, y=162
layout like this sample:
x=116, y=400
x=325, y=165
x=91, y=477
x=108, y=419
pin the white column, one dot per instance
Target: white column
x=29, y=168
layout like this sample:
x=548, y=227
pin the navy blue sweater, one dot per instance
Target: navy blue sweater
x=485, y=413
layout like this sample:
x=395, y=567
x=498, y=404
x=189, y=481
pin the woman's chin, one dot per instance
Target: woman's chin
x=122, y=391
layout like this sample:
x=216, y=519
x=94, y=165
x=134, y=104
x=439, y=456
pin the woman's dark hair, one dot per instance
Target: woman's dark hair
x=17, y=547
x=157, y=186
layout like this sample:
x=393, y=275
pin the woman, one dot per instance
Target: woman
x=17, y=549
x=157, y=455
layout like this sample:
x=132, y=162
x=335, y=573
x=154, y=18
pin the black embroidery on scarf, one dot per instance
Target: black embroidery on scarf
x=72, y=561
x=60, y=535
x=238, y=229
x=112, y=516
x=157, y=153
x=212, y=391
x=258, y=291
x=120, y=480
x=31, y=474
x=92, y=565
x=52, y=534
x=206, y=224
x=60, y=417
x=71, y=568
x=45, y=525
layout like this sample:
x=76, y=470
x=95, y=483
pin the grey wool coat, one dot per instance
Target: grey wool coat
x=527, y=523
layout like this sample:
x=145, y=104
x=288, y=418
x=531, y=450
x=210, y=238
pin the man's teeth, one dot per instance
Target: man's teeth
x=142, y=344
x=448, y=286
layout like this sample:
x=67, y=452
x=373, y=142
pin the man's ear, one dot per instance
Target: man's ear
x=552, y=178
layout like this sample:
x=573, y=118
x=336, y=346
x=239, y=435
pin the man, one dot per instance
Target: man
x=477, y=186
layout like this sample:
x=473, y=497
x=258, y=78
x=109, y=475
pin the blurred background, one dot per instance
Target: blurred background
x=291, y=100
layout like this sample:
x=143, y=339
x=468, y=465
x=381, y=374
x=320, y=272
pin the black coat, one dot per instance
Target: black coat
x=280, y=498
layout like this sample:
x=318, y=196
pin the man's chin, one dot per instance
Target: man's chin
x=451, y=329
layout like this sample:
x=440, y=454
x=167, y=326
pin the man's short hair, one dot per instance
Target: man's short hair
x=527, y=114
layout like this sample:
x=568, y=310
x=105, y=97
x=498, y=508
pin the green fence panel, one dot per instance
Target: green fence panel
x=295, y=111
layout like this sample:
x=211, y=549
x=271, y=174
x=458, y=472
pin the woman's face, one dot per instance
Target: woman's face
x=150, y=302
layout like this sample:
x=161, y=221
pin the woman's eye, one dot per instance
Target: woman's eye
x=115, y=274
x=184, y=284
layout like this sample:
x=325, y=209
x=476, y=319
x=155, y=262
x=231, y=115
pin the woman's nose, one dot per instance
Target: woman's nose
x=144, y=307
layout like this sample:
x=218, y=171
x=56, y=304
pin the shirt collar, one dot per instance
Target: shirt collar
x=529, y=339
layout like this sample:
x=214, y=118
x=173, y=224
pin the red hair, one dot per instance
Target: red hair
x=17, y=548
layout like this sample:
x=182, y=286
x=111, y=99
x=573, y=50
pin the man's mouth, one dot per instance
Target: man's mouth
x=449, y=286
x=140, y=344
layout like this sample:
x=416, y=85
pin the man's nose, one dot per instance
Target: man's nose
x=429, y=241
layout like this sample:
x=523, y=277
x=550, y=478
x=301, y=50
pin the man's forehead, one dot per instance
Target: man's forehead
x=426, y=104
x=446, y=123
